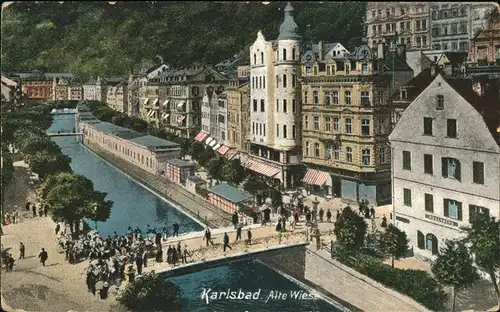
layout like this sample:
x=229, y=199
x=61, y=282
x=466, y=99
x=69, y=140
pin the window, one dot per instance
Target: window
x=427, y=126
x=452, y=209
x=440, y=102
x=365, y=127
x=336, y=152
x=365, y=98
x=347, y=69
x=307, y=148
x=284, y=54
x=277, y=106
x=381, y=155
x=348, y=154
x=305, y=97
x=347, y=95
x=451, y=128
x=335, y=97
x=262, y=57
x=316, y=150
x=475, y=210
x=263, y=81
x=254, y=58
x=316, y=122
x=315, y=97
x=294, y=106
x=428, y=166
x=335, y=124
x=478, y=172
x=366, y=157
x=294, y=80
x=380, y=95
x=285, y=106
x=277, y=81
x=407, y=197
x=284, y=132
x=306, y=122
x=450, y=168
x=406, y=160
x=294, y=52
x=293, y=132
x=328, y=125
x=262, y=106
x=429, y=203
x=254, y=105
x=348, y=125
x=284, y=80
x=222, y=118
x=364, y=69
x=420, y=240
x=260, y=129
x=277, y=130
x=381, y=126
x=327, y=96
x=264, y=129
x=260, y=82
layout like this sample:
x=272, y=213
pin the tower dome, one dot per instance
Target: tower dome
x=289, y=29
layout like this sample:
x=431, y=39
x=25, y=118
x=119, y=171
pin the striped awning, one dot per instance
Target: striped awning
x=212, y=144
x=165, y=115
x=262, y=168
x=223, y=149
x=154, y=102
x=231, y=154
x=216, y=146
x=315, y=177
x=166, y=102
x=181, y=104
x=151, y=113
x=146, y=101
x=180, y=118
x=201, y=136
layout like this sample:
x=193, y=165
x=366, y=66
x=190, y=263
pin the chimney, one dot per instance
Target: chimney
x=380, y=51
x=320, y=50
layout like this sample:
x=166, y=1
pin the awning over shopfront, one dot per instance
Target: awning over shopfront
x=151, y=113
x=223, y=149
x=181, y=104
x=231, y=154
x=201, y=136
x=146, y=101
x=209, y=140
x=165, y=115
x=262, y=168
x=181, y=118
x=316, y=177
x=212, y=144
x=216, y=146
x=154, y=102
x=166, y=102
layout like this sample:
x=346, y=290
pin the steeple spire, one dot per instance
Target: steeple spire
x=289, y=29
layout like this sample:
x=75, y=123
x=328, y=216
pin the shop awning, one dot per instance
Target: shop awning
x=146, y=101
x=201, y=136
x=154, y=102
x=165, y=115
x=262, y=168
x=151, y=113
x=166, y=102
x=216, y=146
x=180, y=118
x=223, y=149
x=315, y=177
x=231, y=154
x=208, y=141
x=181, y=104
x=212, y=144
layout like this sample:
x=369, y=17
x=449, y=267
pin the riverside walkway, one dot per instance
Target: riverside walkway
x=59, y=134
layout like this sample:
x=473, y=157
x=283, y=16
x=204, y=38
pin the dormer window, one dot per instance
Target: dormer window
x=439, y=102
x=403, y=94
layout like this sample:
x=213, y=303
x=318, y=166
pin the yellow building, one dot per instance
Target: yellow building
x=238, y=102
x=346, y=121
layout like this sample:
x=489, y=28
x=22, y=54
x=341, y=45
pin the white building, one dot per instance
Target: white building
x=275, y=103
x=446, y=161
x=214, y=116
x=89, y=91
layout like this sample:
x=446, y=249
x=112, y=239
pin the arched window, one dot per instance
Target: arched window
x=431, y=243
x=260, y=82
x=293, y=53
x=284, y=80
x=262, y=57
x=255, y=59
x=420, y=240
x=284, y=54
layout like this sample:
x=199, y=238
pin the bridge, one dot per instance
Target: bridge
x=64, y=111
x=60, y=134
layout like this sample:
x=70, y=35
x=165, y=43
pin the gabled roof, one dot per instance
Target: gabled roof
x=230, y=193
x=415, y=86
x=454, y=58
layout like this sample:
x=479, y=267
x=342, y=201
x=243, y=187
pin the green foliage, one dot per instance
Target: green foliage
x=100, y=207
x=276, y=197
x=7, y=171
x=197, y=149
x=394, y=242
x=95, y=38
x=203, y=192
x=350, y=230
x=238, y=173
x=150, y=292
x=484, y=240
x=45, y=163
x=63, y=104
x=454, y=267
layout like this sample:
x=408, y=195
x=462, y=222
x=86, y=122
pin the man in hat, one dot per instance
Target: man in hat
x=43, y=256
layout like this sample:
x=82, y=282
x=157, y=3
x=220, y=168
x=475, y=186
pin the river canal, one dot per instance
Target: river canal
x=136, y=206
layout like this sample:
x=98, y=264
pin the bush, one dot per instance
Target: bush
x=201, y=191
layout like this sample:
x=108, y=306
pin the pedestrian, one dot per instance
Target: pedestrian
x=278, y=225
x=33, y=207
x=103, y=293
x=10, y=263
x=27, y=205
x=45, y=209
x=159, y=254
x=176, y=229
x=238, y=233
x=374, y=225
x=328, y=216
x=372, y=212
x=235, y=219
x=21, y=250
x=338, y=215
x=145, y=258
x=15, y=217
x=7, y=218
x=208, y=236
x=179, y=250
x=321, y=213
x=185, y=254
x=169, y=254
x=384, y=222
x=226, y=242
x=43, y=256
x=58, y=228
x=249, y=236
x=138, y=262
x=91, y=281
x=40, y=211
x=175, y=256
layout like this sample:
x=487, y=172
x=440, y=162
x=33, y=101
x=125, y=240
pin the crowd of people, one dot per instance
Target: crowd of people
x=38, y=210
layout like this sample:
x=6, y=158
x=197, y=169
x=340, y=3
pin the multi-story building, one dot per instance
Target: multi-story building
x=61, y=90
x=117, y=96
x=41, y=86
x=274, y=140
x=447, y=168
x=100, y=90
x=214, y=114
x=89, y=92
x=238, y=117
x=453, y=25
x=410, y=20
x=108, y=89
x=133, y=96
x=182, y=91
x=485, y=46
x=346, y=121
x=75, y=92
x=10, y=91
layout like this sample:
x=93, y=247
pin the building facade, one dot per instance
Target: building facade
x=228, y=198
x=61, y=91
x=274, y=139
x=178, y=170
x=75, y=92
x=115, y=96
x=485, y=46
x=214, y=114
x=410, y=20
x=238, y=117
x=448, y=167
x=89, y=90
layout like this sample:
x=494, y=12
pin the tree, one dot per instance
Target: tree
x=151, y=292
x=196, y=149
x=238, y=172
x=350, y=230
x=454, y=267
x=484, y=240
x=100, y=208
x=45, y=163
x=276, y=197
x=394, y=242
x=69, y=196
x=205, y=157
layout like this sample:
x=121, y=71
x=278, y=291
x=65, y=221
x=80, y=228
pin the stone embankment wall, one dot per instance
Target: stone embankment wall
x=191, y=203
x=361, y=291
